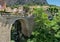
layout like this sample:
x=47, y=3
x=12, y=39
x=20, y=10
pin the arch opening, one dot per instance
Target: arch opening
x=19, y=31
x=15, y=31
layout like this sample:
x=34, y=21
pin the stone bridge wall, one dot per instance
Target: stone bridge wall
x=6, y=24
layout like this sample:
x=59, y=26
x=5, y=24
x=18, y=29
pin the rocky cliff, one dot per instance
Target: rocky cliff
x=22, y=2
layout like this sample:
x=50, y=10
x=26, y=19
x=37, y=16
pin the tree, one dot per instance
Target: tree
x=45, y=30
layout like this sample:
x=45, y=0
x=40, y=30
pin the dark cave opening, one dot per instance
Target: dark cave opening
x=16, y=30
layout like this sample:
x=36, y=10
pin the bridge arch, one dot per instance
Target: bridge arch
x=23, y=25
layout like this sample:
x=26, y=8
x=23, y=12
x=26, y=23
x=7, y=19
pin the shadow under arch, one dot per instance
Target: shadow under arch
x=19, y=27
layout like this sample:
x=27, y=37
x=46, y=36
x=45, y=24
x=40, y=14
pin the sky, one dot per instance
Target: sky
x=54, y=2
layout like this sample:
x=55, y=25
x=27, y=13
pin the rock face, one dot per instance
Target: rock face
x=22, y=2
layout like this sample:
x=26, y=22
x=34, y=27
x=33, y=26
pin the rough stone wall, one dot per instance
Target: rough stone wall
x=6, y=24
x=4, y=32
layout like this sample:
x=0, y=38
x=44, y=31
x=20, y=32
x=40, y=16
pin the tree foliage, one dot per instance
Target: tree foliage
x=44, y=29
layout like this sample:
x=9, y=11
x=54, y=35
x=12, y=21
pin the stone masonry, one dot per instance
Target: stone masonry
x=6, y=22
x=7, y=18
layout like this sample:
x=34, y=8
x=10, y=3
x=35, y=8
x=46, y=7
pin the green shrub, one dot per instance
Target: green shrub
x=44, y=29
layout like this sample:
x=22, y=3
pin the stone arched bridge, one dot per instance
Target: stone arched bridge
x=6, y=22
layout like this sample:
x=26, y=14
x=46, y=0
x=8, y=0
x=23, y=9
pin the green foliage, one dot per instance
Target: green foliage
x=53, y=10
x=44, y=29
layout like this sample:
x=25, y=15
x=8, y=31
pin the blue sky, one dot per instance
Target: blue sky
x=54, y=2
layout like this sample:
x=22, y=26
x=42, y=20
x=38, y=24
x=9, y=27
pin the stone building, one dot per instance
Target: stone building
x=16, y=25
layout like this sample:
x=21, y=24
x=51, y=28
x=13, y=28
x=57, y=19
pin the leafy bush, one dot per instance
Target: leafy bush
x=44, y=29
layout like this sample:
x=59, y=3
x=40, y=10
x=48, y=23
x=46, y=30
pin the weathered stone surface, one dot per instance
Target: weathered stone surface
x=4, y=32
x=6, y=24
